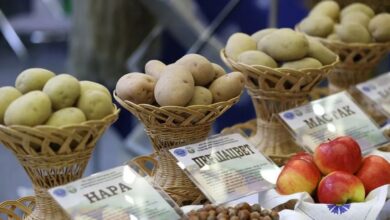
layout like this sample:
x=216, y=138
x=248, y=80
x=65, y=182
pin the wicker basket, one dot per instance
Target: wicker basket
x=172, y=126
x=17, y=209
x=53, y=156
x=273, y=91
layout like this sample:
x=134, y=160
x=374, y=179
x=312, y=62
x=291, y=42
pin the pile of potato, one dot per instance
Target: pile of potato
x=42, y=98
x=278, y=48
x=355, y=23
x=191, y=80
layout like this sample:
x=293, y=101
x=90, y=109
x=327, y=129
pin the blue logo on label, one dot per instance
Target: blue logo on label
x=288, y=115
x=60, y=192
x=339, y=209
x=180, y=152
x=366, y=88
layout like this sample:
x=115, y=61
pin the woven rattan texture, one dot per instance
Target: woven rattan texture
x=172, y=126
x=17, y=209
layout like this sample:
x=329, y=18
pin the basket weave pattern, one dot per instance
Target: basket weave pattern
x=172, y=126
x=17, y=209
x=53, y=156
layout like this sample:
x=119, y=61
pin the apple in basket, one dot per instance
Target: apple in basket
x=303, y=155
x=374, y=172
x=341, y=154
x=340, y=187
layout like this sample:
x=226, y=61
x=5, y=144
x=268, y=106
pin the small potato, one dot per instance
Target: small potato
x=31, y=109
x=317, y=25
x=353, y=33
x=66, y=116
x=357, y=7
x=202, y=96
x=327, y=8
x=89, y=85
x=32, y=79
x=379, y=27
x=63, y=91
x=95, y=105
x=284, y=45
x=218, y=70
x=227, y=86
x=255, y=57
x=320, y=52
x=154, y=68
x=136, y=87
x=260, y=34
x=175, y=87
x=305, y=63
x=7, y=95
x=356, y=17
x=200, y=68
x=238, y=43
x=333, y=37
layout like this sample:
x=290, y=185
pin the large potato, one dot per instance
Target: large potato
x=175, y=87
x=320, y=52
x=32, y=79
x=7, y=95
x=154, y=68
x=333, y=37
x=255, y=57
x=327, y=8
x=202, y=96
x=260, y=34
x=66, y=116
x=95, y=105
x=305, y=63
x=31, y=109
x=89, y=85
x=284, y=45
x=238, y=43
x=353, y=33
x=317, y=25
x=200, y=68
x=218, y=70
x=357, y=7
x=63, y=90
x=356, y=17
x=379, y=27
x=227, y=86
x=136, y=87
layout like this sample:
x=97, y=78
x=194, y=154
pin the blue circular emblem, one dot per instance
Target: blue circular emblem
x=288, y=115
x=366, y=88
x=180, y=152
x=60, y=192
x=339, y=209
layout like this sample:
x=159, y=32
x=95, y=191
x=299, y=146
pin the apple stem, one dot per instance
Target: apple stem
x=329, y=139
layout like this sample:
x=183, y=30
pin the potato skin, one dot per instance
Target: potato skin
x=261, y=33
x=379, y=27
x=89, y=85
x=66, y=116
x=284, y=45
x=238, y=43
x=255, y=57
x=32, y=79
x=63, y=91
x=320, y=52
x=218, y=70
x=7, y=95
x=356, y=17
x=202, y=96
x=227, y=86
x=154, y=68
x=327, y=8
x=357, y=6
x=317, y=25
x=175, y=87
x=201, y=69
x=136, y=87
x=353, y=33
x=31, y=109
x=95, y=105
x=304, y=63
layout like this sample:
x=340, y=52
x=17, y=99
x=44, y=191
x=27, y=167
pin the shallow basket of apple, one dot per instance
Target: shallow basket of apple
x=335, y=182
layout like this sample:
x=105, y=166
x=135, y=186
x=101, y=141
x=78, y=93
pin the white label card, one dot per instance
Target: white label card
x=118, y=193
x=330, y=117
x=227, y=167
x=378, y=90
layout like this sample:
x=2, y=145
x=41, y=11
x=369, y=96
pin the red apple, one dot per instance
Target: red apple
x=340, y=187
x=303, y=155
x=374, y=172
x=342, y=153
x=298, y=175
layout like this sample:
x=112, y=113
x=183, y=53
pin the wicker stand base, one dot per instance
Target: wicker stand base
x=47, y=207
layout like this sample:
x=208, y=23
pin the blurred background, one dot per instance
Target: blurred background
x=103, y=40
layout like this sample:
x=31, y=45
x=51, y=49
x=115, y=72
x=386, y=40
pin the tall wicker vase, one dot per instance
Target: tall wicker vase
x=53, y=156
x=172, y=126
x=273, y=91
